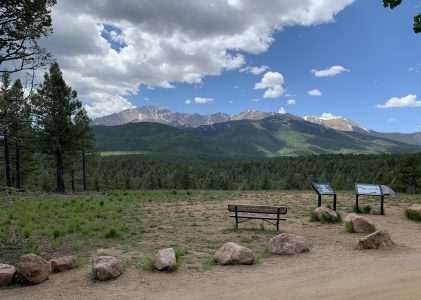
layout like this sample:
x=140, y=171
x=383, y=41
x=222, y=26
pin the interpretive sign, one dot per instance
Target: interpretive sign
x=324, y=189
x=369, y=190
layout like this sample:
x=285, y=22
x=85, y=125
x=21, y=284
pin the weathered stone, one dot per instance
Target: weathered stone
x=360, y=224
x=7, y=272
x=165, y=259
x=326, y=212
x=287, y=244
x=414, y=212
x=63, y=264
x=376, y=240
x=106, y=267
x=233, y=254
x=34, y=268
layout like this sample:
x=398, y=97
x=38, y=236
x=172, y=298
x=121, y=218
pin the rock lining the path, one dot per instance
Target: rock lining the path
x=287, y=244
x=233, y=254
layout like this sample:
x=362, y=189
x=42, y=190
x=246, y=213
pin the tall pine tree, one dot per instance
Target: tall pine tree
x=55, y=105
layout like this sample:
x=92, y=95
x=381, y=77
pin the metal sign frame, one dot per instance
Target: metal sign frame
x=381, y=195
x=320, y=194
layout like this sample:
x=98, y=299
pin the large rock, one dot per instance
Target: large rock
x=287, y=244
x=63, y=263
x=34, y=268
x=106, y=267
x=7, y=272
x=165, y=259
x=360, y=224
x=326, y=212
x=233, y=254
x=414, y=212
x=376, y=240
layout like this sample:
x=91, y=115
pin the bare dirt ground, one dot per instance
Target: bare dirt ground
x=333, y=269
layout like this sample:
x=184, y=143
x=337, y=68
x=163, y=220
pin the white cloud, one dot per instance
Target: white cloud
x=255, y=100
x=282, y=111
x=291, y=101
x=419, y=126
x=415, y=68
x=392, y=120
x=255, y=70
x=329, y=116
x=202, y=100
x=187, y=101
x=273, y=83
x=164, y=42
x=332, y=71
x=117, y=103
x=407, y=101
x=230, y=102
x=314, y=93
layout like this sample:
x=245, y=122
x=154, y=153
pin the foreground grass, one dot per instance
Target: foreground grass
x=135, y=224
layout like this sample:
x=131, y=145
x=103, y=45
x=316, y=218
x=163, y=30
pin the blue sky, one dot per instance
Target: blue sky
x=142, y=64
x=377, y=45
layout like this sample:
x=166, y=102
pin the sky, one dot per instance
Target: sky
x=346, y=58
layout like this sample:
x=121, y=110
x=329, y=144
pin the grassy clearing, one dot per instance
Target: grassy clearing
x=134, y=225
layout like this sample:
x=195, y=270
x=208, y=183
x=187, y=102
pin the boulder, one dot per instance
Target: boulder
x=165, y=259
x=63, y=263
x=414, y=212
x=106, y=267
x=376, y=240
x=233, y=254
x=360, y=224
x=7, y=272
x=34, y=268
x=287, y=244
x=326, y=212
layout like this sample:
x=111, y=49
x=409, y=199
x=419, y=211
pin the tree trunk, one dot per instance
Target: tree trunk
x=18, y=173
x=60, y=172
x=73, y=181
x=84, y=170
x=7, y=161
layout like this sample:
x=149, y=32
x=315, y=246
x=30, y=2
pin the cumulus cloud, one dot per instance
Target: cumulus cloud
x=314, y=93
x=332, y=71
x=273, y=83
x=329, y=116
x=291, y=101
x=407, y=101
x=163, y=42
x=255, y=70
x=282, y=111
x=199, y=100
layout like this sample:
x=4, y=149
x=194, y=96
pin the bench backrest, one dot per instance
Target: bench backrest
x=258, y=209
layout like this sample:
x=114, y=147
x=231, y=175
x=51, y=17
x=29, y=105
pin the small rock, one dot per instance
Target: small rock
x=326, y=212
x=287, y=244
x=63, y=264
x=376, y=240
x=164, y=259
x=106, y=267
x=233, y=254
x=34, y=268
x=7, y=272
x=360, y=224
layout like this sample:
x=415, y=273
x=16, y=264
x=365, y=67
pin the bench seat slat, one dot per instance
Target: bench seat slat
x=242, y=215
x=258, y=209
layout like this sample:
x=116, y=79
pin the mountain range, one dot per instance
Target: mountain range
x=249, y=135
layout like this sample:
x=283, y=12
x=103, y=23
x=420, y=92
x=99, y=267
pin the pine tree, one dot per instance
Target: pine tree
x=55, y=104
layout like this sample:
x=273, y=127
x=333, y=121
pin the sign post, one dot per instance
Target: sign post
x=369, y=190
x=324, y=189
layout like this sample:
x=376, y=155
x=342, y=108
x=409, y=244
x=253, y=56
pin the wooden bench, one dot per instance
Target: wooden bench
x=269, y=214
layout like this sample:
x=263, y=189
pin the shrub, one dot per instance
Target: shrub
x=355, y=210
x=111, y=233
x=56, y=233
x=313, y=216
x=27, y=232
x=349, y=227
x=366, y=209
x=413, y=215
x=147, y=263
